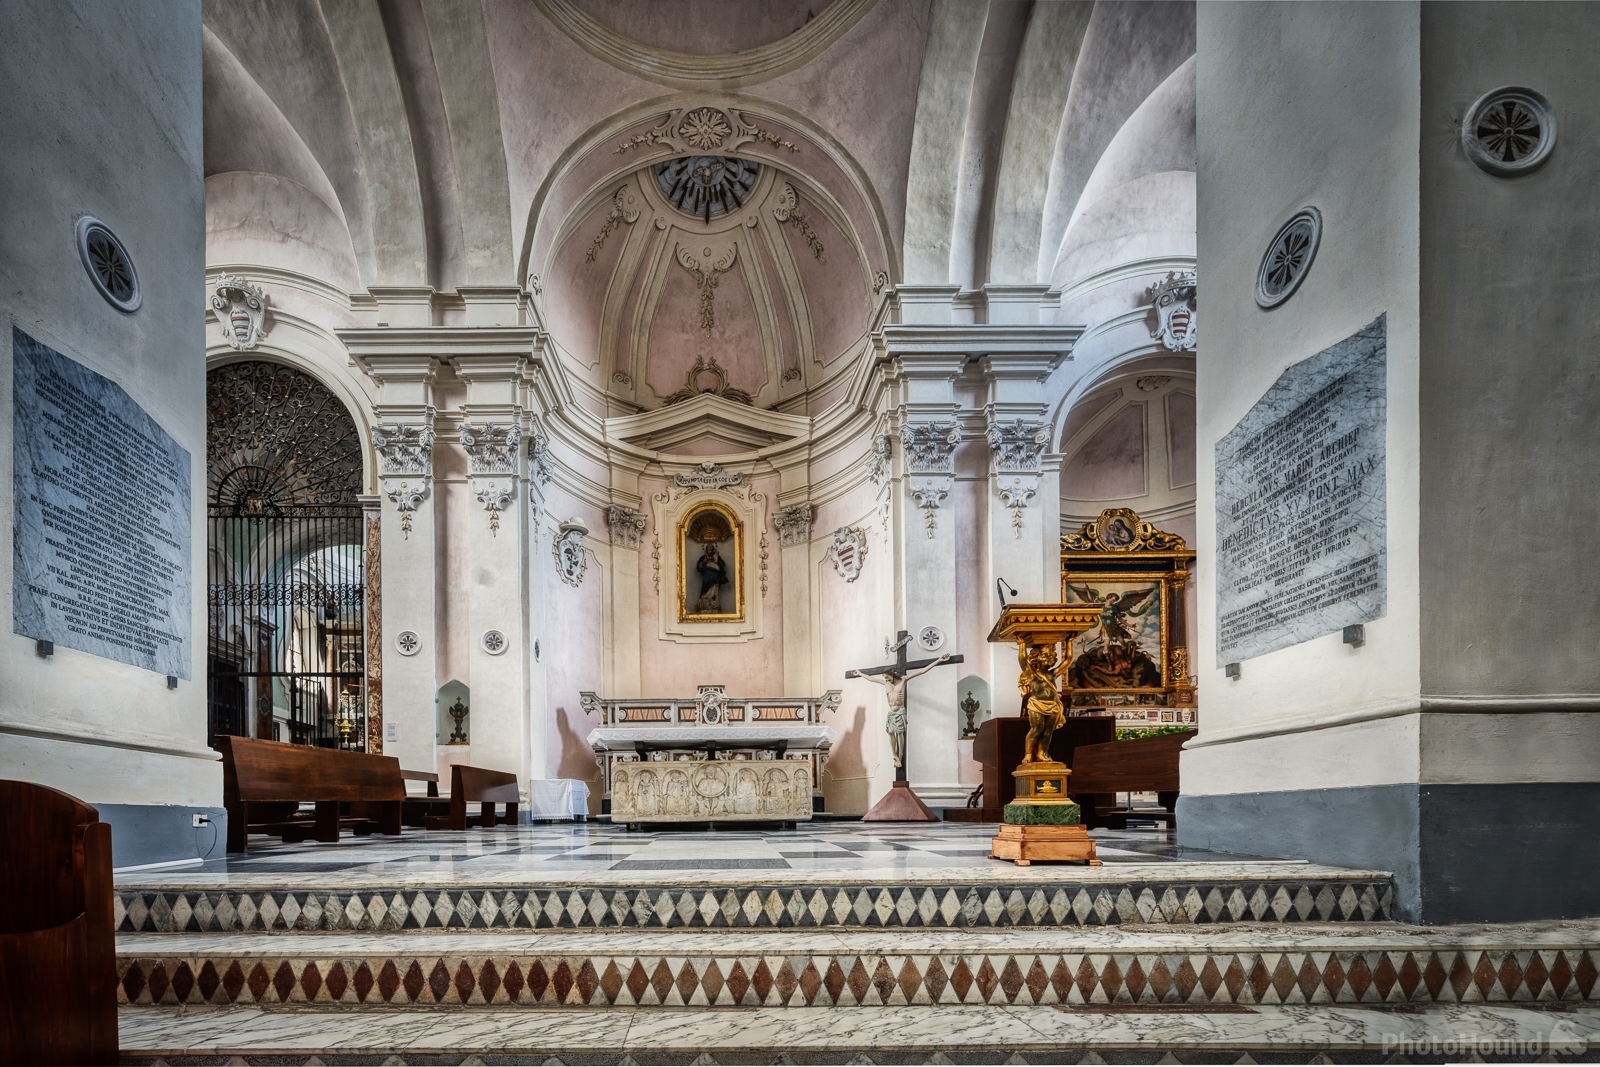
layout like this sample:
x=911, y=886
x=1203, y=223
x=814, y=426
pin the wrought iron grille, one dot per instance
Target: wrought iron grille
x=286, y=571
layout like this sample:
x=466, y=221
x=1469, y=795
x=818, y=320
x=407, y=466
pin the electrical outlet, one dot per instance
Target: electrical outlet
x=201, y=820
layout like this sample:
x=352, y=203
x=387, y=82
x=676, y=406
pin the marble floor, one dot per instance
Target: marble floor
x=599, y=853
x=909, y=1034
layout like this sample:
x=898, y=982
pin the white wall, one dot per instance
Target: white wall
x=1341, y=136
x=100, y=112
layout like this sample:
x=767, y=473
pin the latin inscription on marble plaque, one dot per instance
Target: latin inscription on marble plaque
x=1301, y=503
x=101, y=517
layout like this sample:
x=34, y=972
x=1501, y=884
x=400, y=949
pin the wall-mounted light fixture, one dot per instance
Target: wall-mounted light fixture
x=1355, y=634
x=1231, y=670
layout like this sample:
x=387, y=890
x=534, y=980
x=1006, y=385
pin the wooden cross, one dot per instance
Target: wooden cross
x=900, y=668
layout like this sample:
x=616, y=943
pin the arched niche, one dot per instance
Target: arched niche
x=446, y=730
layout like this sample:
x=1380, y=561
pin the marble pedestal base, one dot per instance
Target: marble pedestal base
x=1024, y=844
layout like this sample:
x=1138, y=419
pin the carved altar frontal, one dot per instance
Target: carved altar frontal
x=711, y=757
x=711, y=790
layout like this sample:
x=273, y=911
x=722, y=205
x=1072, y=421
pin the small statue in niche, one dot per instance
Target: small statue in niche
x=970, y=707
x=458, y=712
x=713, y=576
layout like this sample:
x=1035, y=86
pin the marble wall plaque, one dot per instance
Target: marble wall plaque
x=101, y=517
x=1302, y=505
x=698, y=790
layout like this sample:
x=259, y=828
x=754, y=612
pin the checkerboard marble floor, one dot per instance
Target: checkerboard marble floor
x=598, y=852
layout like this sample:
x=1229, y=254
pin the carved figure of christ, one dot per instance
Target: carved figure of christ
x=893, y=677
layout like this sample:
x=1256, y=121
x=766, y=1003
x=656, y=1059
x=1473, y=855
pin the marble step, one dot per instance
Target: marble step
x=1181, y=894
x=1324, y=1034
x=1376, y=963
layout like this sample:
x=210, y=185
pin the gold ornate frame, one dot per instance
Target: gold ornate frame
x=737, y=526
x=1121, y=547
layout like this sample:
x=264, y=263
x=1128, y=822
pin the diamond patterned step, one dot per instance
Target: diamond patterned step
x=1301, y=894
x=1276, y=965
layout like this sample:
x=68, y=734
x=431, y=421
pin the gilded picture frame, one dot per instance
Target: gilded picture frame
x=1138, y=655
x=706, y=519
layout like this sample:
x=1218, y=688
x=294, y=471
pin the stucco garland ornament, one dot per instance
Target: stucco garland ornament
x=571, y=560
x=241, y=310
x=848, y=553
x=1176, y=300
x=405, y=465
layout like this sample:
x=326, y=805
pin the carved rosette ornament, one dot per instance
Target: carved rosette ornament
x=930, y=455
x=405, y=466
x=794, y=524
x=241, y=311
x=848, y=552
x=1176, y=303
x=571, y=560
x=704, y=129
x=626, y=525
x=492, y=453
x=1016, y=454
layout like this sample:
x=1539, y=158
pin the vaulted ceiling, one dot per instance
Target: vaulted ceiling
x=871, y=143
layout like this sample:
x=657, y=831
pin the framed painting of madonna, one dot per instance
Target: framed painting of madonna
x=1135, y=574
x=711, y=580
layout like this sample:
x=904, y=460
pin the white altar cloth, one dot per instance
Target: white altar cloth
x=798, y=735
x=557, y=798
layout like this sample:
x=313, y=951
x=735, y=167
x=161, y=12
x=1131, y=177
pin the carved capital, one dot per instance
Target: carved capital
x=491, y=449
x=540, y=470
x=1018, y=448
x=794, y=524
x=930, y=448
x=879, y=461
x=404, y=449
x=626, y=525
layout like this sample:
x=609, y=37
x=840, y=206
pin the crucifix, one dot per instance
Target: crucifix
x=893, y=677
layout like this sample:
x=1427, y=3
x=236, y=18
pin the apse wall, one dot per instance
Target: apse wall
x=102, y=117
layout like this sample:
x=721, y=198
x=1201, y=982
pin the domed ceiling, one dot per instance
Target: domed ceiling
x=724, y=257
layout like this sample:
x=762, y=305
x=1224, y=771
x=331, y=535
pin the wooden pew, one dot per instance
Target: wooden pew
x=999, y=748
x=264, y=782
x=485, y=787
x=58, y=961
x=1142, y=765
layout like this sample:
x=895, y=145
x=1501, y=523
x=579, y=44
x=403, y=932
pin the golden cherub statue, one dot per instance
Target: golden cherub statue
x=1038, y=684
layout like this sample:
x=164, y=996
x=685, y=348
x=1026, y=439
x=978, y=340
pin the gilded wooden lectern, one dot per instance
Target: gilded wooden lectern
x=1042, y=822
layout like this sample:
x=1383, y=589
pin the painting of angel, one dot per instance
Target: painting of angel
x=1125, y=649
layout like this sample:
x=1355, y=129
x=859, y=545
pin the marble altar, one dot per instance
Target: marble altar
x=712, y=757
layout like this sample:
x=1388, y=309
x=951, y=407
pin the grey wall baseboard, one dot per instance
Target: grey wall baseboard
x=1460, y=853
x=161, y=833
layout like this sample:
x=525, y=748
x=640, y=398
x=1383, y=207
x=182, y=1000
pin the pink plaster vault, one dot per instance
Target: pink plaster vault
x=1111, y=464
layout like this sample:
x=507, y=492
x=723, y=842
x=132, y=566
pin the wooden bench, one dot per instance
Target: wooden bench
x=1142, y=765
x=264, y=783
x=58, y=961
x=484, y=787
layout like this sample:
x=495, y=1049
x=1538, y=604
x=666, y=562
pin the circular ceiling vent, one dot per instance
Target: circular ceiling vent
x=108, y=263
x=707, y=186
x=1288, y=257
x=1509, y=131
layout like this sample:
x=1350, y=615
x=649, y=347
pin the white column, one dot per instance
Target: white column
x=1021, y=538
x=800, y=661
x=404, y=438
x=496, y=543
x=622, y=654
x=926, y=546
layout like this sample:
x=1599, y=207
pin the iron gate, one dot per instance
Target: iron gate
x=286, y=575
